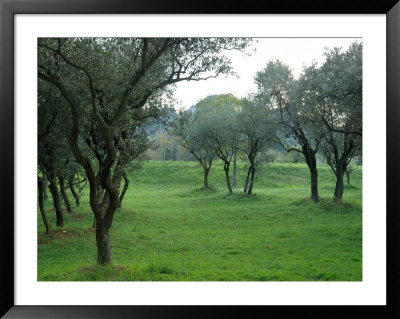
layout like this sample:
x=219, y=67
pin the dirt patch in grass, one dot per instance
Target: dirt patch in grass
x=76, y=216
x=57, y=234
x=303, y=201
x=198, y=191
x=95, y=268
x=90, y=230
x=52, y=210
x=111, y=272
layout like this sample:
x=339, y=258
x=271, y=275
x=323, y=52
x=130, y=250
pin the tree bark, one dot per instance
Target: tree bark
x=206, y=171
x=104, y=254
x=253, y=171
x=45, y=184
x=228, y=182
x=41, y=204
x=56, y=201
x=311, y=161
x=104, y=217
x=314, y=184
x=348, y=176
x=339, y=184
x=247, y=180
x=64, y=194
x=309, y=156
x=234, y=169
x=81, y=187
x=126, y=185
x=71, y=187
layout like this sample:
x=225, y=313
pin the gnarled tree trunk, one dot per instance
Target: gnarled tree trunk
x=312, y=166
x=339, y=184
x=45, y=184
x=348, y=176
x=104, y=254
x=104, y=217
x=206, y=171
x=56, y=200
x=246, y=184
x=234, y=168
x=228, y=182
x=126, y=185
x=252, y=173
x=41, y=205
x=314, y=186
x=71, y=187
x=82, y=186
x=64, y=194
x=309, y=155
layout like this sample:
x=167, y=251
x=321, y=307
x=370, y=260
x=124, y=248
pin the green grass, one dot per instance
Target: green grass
x=170, y=228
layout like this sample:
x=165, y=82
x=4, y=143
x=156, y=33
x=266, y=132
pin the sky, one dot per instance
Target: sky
x=295, y=52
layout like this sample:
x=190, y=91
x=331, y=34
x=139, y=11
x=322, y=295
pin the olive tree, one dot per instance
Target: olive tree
x=256, y=127
x=103, y=80
x=334, y=92
x=192, y=134
x=278, y=89
x=53, y=150
x=218, y=115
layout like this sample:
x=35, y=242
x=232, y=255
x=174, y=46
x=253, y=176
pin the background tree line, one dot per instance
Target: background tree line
x=319, y=114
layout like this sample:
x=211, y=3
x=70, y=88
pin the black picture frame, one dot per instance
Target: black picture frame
x=9, y=8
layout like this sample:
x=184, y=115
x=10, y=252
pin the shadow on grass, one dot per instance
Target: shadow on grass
x=110, y=272
x=198, y=192
x=115, y=272
x=241, y=196
x=59, y=234
x=326, y=204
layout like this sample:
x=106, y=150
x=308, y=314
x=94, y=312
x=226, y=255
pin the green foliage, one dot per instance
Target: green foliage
x=333, y=95
x=54, y=155
x=170, y=229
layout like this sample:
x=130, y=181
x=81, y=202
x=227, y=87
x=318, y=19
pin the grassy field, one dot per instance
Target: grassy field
x=170, y=228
